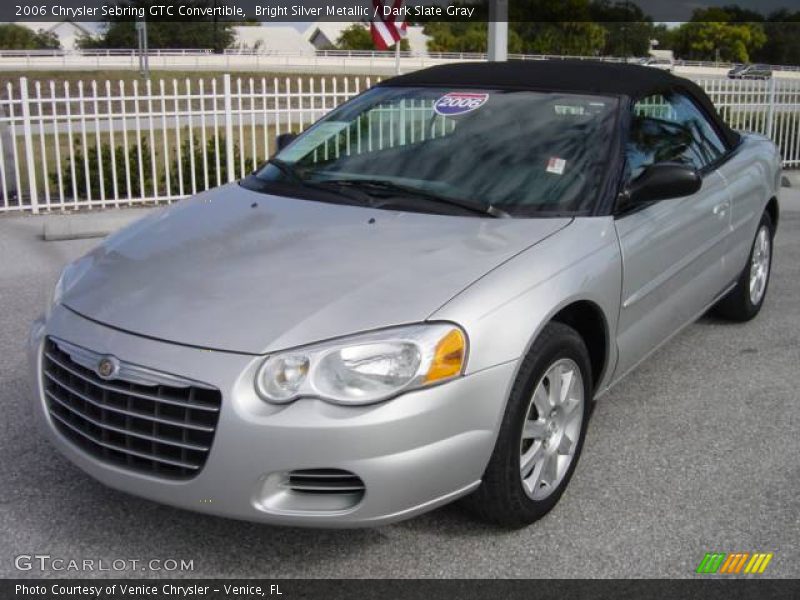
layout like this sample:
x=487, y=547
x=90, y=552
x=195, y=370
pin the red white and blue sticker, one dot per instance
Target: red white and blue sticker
x=458, y=103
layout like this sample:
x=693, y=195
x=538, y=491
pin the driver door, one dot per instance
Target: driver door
x=672, y=250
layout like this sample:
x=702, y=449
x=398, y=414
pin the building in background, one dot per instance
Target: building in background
x=322, y=35
x=271, y=40
x=67, y=32
x=417, y=40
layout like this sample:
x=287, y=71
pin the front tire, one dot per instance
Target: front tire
x=542, y=432
x=745, y=300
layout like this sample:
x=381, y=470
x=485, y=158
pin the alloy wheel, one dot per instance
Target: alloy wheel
x=552, y=429
x=759, y=265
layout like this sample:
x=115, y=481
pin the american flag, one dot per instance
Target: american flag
x=387, y=30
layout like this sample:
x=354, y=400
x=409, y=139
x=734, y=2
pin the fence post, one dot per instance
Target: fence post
x=226, y=79
x=27, y=131
x=771, y=108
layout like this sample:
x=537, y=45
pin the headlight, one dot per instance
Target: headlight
x=366, y=368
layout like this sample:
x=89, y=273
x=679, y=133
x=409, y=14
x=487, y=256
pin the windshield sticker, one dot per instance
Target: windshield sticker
x=556, y=165
x=312, y=139
x=570, y=109
x=458, y=103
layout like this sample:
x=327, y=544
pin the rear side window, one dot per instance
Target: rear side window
x=670, y=128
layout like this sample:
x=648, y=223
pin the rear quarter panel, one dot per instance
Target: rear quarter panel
x=753, y=176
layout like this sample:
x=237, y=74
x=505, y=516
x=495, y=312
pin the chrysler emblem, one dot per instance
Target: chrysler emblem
x=107, y=367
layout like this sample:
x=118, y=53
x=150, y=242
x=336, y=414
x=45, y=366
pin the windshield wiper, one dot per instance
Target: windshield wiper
x=341, y=188
x=291, y=173
x=400, y=190
x=355, y=190
x=289, y=170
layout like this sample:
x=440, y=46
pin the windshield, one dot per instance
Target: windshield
x=503, y=153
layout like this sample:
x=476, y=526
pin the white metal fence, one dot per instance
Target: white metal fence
x=360, y=62
x=106, y=144
x=132, y=54
x=67, y=146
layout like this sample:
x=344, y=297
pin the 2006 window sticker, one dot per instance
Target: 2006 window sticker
x=458, y=103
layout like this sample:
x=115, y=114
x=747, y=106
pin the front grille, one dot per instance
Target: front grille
x=145, y=426
x=325, y=481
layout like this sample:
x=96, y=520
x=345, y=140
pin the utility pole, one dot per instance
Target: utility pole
x=144, y=58
x=498, y=31
x=216, y=50
x=397, y=57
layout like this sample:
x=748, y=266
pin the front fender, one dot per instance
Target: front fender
x=505, y=310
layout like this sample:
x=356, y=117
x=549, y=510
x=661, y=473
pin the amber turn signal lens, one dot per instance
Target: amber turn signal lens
x=448, y=358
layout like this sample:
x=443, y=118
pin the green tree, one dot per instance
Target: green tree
x=571, y=38
x=711, y=39
x=577, y=38
x=780, y=43
x=18, y=37
x=737, y=14
x=782, y=47
x=716, y=33
x=629, y=29
x=461, y=36
x=165, y=32
x=535, y=27
x=556, y=27
x=358, y=37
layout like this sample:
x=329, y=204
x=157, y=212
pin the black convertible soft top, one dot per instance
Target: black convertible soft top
x=573, y=76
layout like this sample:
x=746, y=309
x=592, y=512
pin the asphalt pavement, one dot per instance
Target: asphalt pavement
x=696, y=451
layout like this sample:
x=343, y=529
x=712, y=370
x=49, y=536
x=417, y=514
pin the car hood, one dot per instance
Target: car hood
x=237, y=270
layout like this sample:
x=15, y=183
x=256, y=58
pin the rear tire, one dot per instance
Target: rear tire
x=542, y=432
x=745, y=300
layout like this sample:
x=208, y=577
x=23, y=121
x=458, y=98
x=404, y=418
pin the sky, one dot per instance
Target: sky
x=681, y=10
x=661, y=11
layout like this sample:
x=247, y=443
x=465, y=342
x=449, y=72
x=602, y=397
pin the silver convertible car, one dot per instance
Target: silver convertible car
x=416, y=300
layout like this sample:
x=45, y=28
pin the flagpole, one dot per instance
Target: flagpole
x=397, y=58
x=498, y=31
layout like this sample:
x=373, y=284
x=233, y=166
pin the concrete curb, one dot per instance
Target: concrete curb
x=791, y=179
x=90, y=224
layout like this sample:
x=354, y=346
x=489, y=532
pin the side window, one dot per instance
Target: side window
x=670, y=128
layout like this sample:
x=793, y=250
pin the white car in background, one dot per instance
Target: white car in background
x=665, y=64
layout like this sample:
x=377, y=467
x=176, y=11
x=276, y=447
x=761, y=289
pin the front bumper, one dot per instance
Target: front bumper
x=413, y=453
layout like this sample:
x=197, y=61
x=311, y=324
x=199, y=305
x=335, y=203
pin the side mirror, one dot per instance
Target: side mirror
x=662, y=181
x=284, y=140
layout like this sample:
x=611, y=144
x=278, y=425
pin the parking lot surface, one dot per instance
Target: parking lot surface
x=695, y=451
